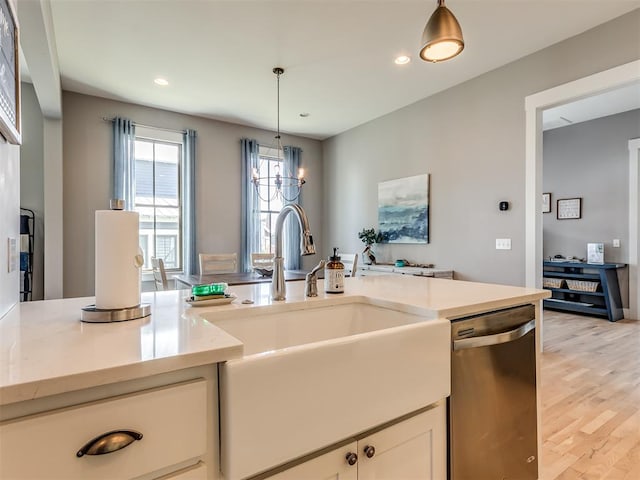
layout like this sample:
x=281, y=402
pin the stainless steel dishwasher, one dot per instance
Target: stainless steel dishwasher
x=492, y=408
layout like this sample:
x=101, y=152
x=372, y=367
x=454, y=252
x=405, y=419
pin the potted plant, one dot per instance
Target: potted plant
x=369, y=237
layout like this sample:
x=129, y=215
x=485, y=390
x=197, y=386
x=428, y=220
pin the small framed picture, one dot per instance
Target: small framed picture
x=569, y=208
x=546, y=203
x=595, y=253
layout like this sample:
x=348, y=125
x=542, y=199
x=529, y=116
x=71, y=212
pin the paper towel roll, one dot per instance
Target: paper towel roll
x=117, y=275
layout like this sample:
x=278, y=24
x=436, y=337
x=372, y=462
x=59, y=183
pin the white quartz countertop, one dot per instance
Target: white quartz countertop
x=46, y=350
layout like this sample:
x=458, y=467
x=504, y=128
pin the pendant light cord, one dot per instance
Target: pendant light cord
x=278, y=72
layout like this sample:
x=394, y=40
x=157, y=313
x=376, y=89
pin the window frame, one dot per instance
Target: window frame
x=266, y=155
x=174, y=139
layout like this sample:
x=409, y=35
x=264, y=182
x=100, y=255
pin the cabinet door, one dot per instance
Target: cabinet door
x=330, y=466
x=414, y=449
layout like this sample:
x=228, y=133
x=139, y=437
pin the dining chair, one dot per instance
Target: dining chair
x=262, y=260
x=350, y=262
x=218, y=263
x=159, y=275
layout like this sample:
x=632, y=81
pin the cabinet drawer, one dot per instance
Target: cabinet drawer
x=197, y=472
x=172, y=421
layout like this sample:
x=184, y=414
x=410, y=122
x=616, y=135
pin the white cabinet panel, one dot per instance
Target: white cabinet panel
x=414, y=449
x=198, y=472
x=329, y=466
x=171, y=420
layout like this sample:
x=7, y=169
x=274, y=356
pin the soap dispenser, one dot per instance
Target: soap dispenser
x=334, y=274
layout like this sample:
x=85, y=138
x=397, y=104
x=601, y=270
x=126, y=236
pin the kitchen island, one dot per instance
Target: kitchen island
x=55, y=370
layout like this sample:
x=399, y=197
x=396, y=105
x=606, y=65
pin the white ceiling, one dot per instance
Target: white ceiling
x=607, y=103
x=338, y=55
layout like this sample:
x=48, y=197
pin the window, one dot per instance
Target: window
x=158, y=200
x=269, y=207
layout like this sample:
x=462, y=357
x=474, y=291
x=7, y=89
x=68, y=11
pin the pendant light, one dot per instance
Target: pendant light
x=275, y=184
x=442, y=37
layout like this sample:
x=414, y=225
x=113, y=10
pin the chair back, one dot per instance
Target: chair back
x=159, y=275
x=262, y=260
x=350, y=262
x=218, y=263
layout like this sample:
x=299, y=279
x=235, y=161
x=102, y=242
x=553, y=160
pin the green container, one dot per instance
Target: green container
x=208, y=289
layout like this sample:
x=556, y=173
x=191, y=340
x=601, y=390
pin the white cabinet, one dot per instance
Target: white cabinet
x=369, y=270
x=196, y=472
x=329, y=466
x=172, y=421
x=412, y=449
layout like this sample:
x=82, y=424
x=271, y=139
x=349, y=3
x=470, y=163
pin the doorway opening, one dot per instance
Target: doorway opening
x=535, y=104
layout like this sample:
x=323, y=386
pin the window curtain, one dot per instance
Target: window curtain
x=124, y=162
x=189, y=253
x=250, y=234
x=291, y=248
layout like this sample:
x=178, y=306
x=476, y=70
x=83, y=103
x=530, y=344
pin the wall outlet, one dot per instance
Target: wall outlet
x=503, y=244
x=12, y=255
x=616, y=242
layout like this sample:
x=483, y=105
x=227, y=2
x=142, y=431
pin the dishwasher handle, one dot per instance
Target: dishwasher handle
x=496, y=339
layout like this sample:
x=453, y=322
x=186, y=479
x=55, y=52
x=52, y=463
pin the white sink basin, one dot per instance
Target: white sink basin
x=314, y=376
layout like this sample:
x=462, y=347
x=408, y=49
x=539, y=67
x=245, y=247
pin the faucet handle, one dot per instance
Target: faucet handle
x=311, y=281
x=318, y=267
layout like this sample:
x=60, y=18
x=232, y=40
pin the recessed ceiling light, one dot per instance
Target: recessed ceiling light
x=402, y=60
x=305, y=114
x=161, y=81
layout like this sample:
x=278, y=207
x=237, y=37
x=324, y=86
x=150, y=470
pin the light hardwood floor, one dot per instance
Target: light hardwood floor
x=590, y=398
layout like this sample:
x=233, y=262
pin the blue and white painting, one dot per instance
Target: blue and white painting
x=403, y=209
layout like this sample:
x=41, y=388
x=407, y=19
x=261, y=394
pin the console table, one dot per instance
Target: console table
x=572, y=286
x=365, y=270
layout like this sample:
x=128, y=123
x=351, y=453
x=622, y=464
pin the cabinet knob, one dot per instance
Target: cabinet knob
x=109, y=442
x=369, y=451
x=352, y=458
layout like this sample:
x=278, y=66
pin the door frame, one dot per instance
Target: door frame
x=634, y=227
x=534, y=105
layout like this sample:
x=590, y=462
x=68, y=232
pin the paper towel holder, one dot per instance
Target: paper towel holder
x=91, y=314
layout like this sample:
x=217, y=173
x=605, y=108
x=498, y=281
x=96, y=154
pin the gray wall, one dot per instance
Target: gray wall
x=590, y=160
x=471, y=139
x=87, y=163
x=32, y=178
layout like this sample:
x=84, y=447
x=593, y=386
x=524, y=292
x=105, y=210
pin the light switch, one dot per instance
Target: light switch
x=503, y=244
x=616, y=242
x=12, y=255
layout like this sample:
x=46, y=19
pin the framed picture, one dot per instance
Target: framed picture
x=10, y=122
x=595, y=253
x=546, y=203
x=403, y=209
x=569, y=208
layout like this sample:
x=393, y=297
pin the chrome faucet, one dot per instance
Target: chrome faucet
x=278, y=288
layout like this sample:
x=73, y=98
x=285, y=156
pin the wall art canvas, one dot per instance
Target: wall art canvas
x=403, y=209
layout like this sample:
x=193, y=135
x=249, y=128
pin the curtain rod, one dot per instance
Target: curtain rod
x=106, y=119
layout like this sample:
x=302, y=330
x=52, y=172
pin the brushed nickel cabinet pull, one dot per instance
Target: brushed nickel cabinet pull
x=109, y=442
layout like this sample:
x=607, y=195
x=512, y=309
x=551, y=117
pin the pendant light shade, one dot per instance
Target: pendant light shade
x=442, y=37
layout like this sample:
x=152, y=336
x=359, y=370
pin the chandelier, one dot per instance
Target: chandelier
x=284, y=185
